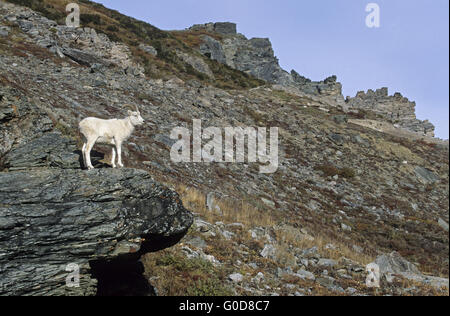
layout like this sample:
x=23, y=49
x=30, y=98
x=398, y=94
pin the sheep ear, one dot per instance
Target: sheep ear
x=137, y=109
x=130, y=113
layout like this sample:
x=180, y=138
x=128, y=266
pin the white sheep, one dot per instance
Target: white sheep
x=108, y=132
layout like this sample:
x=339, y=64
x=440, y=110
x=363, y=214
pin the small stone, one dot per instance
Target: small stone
x=269, y=251
x=197, y=242
x=346, y=227
x=326, y=281
x=330, y=247
x=148, y=49
x=304, y=262
x=327, y=263
x=4, y=31
x=309, y=253
x=236, y=277
x=443, y=224
x=228, y=235
x=351, y=290
x=306, y=275
x=268, y=202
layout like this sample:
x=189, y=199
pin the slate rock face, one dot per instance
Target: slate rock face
x=393, y=263
x=51, y=150
x=83, y=58
x=225, y=28
x=51, y=218
x=327, y=87
x=254, y=56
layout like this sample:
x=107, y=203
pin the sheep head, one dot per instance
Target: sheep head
x=135, y=117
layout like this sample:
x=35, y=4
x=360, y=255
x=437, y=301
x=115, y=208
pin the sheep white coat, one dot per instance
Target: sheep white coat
x=108, y=132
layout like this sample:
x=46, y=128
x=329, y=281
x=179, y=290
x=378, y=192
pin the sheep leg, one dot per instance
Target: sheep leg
x=89, y=146
x=83, y=152
x=113, y=157
x=119, y=154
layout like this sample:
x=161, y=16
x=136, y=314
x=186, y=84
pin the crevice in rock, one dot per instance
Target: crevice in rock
x=124, y=275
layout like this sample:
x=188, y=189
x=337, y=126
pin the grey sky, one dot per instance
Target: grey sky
x=409, y=53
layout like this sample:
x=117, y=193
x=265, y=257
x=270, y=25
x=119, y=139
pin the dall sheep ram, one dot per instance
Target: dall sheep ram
x=108, y=132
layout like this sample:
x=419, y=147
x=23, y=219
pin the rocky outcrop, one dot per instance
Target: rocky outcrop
x=52, y=218
x=197, y=63
x=327, y=87
x=83, y=45
x=224, y=28
x=393, y=265
x=255, y=56
x=54, y=215
x=395, y=109
x=50, y=150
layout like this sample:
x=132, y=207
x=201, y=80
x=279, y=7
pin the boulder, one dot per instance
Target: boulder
x=102, y=220
x=50, y=150
x=393, y=263
x=225, y=28
x=443, y=224
x=4, y=31
x=148, y=49
x=82, y=57
x=425, y=175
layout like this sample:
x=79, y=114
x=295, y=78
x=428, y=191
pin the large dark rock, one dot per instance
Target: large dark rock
x=51, y=149
x=226, y=28
x=83, y=57
x=20, y=120
x=100, y=219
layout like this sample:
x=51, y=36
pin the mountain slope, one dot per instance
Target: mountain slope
x=343, y=190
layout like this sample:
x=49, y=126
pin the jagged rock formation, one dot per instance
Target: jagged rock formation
x=225, y=28
x=395, y=109
x=393, y=264
x=256, y=57
x=328, y=87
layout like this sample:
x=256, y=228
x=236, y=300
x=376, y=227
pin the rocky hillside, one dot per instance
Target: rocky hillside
x=355, y=184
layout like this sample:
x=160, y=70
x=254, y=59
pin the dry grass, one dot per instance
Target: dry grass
x=175, y=275
x=232, y=211
x=287, y=237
